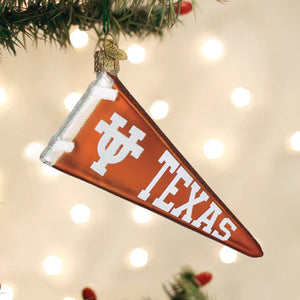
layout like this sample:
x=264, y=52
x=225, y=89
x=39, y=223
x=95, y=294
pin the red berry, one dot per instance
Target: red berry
x=185, y=7
x=203, y=278
x=88, y=294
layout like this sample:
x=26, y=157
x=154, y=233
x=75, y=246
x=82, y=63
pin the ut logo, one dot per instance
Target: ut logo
x=114, y=146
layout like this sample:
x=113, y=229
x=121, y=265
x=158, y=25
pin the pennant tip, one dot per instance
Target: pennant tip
x=255, y=250
x=258, y=253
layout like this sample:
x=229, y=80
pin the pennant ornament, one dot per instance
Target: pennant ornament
x=109, y=141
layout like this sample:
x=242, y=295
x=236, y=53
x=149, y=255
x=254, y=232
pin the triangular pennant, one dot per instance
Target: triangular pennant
x=108, y=140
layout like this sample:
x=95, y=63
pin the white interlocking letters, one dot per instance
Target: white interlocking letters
x=114, y=146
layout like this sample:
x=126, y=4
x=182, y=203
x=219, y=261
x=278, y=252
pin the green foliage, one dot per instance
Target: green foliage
x=51, y=20
x=183, y=287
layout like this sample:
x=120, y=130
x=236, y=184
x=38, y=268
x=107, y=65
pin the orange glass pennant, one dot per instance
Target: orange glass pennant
x=108, y=140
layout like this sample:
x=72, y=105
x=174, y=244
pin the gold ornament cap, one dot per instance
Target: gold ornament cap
x=107, y=58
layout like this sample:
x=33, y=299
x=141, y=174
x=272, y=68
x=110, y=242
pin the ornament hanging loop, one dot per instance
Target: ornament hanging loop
x=107, y=58
x=106, y=15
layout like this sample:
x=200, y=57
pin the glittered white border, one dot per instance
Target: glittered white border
x=62, y=141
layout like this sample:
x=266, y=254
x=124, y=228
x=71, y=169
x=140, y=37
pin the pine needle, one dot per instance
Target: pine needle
x=52, y=20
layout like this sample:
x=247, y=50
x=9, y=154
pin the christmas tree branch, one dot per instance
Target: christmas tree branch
x=52, y=20
x=184, y=287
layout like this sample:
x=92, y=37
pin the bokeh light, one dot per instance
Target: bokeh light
x=6, y=292
x=213, y=149
x=79, y=38
x=49, y=171
x=212, y=49
x=2, y=96
x=295, y=141
x=136, y=54
x=138, y=257
x=80, y=213
x=159, y=109
x=71, y=100
x=141, y=215
x=33, y=151
x=228, y=255
x=52, y=265
x=241, y=97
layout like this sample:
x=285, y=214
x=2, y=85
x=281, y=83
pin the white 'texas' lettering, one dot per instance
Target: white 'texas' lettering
x=207, y=218
x=215, y=211
x=172, y=189
x=222, y=227
x=169, y=162
x=188, y=206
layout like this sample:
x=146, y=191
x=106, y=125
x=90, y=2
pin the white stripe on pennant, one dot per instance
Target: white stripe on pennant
x=105, y=93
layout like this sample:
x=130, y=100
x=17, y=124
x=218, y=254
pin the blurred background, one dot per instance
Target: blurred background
x=224, y=87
